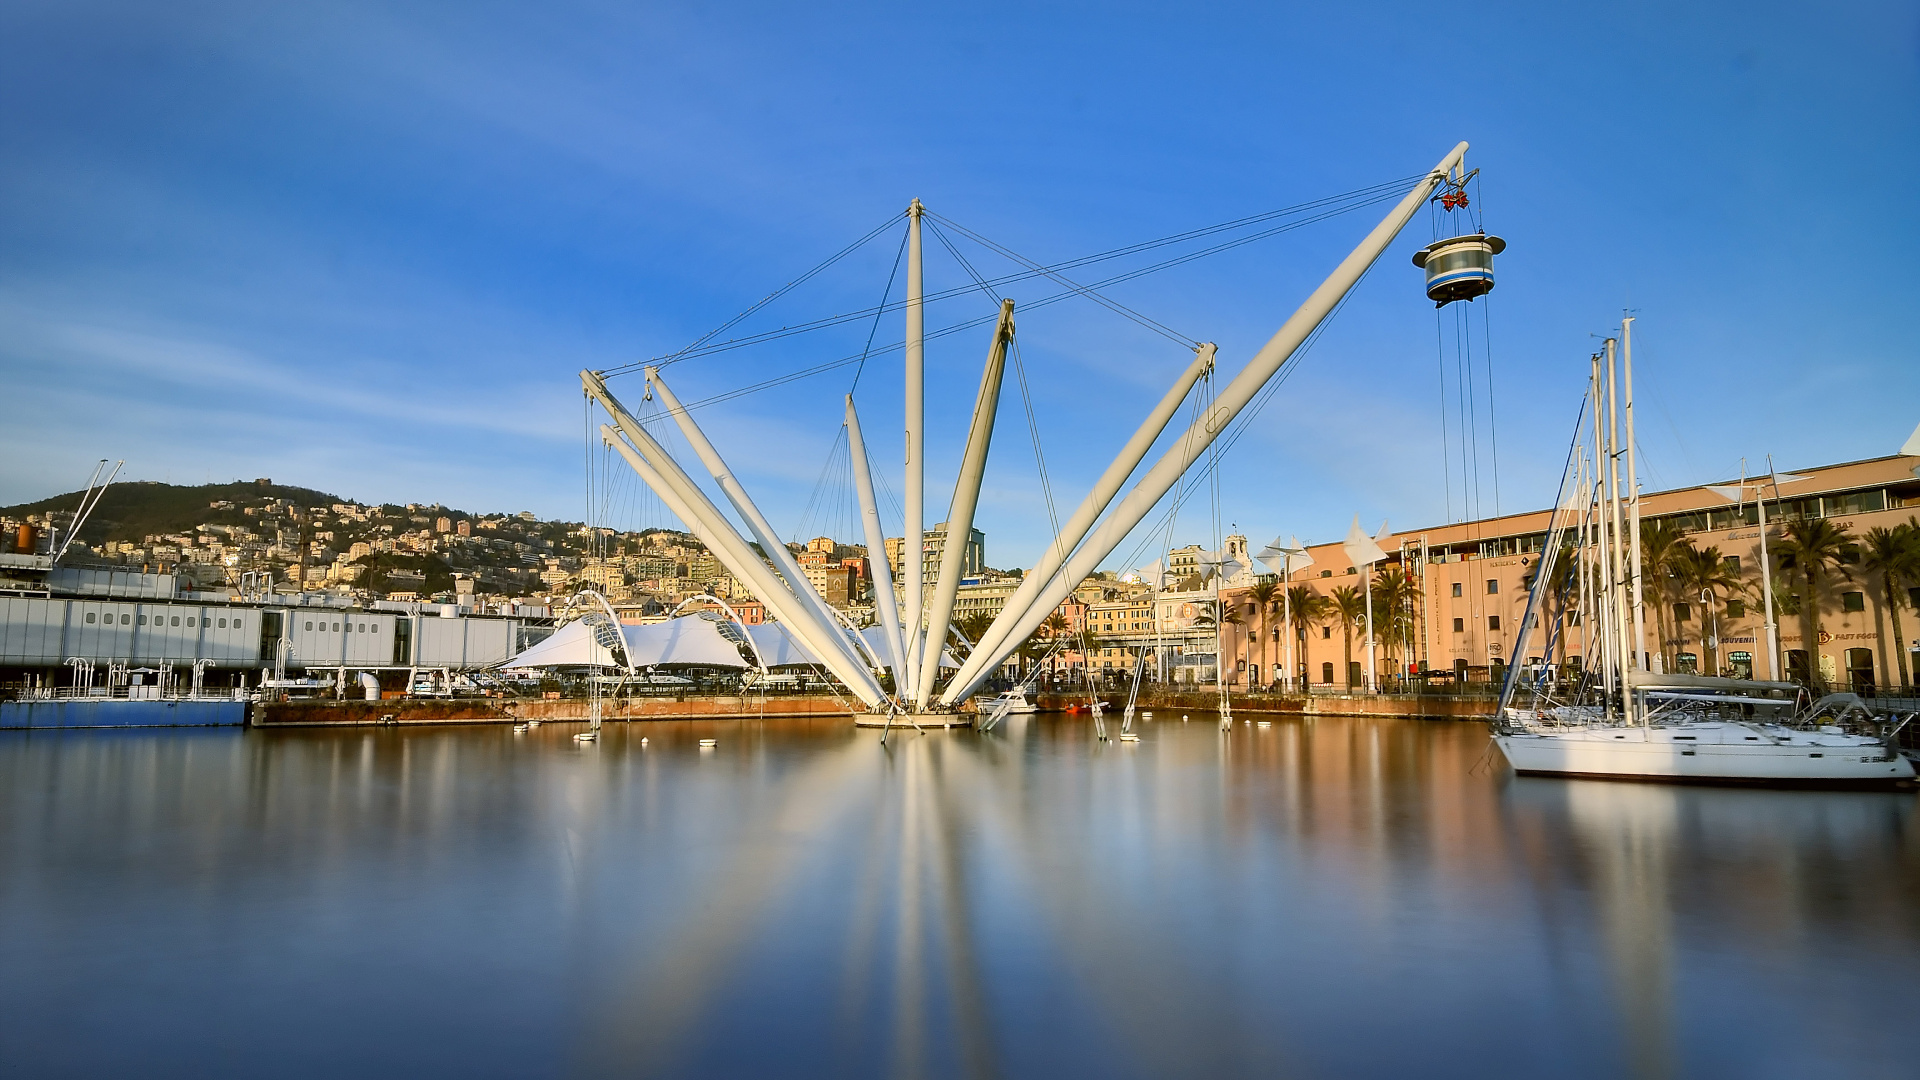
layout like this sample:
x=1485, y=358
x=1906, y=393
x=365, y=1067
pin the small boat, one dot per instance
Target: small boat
x=586, y=736
x=1263, y=723
x=1146, y=715
x=519, y=729
x=1129, y=737
x=708, y=744
x=1010, y=703
x=533, y=723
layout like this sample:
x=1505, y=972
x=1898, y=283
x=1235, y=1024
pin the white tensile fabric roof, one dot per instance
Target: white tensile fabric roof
x=676, y=641
x=688, y=640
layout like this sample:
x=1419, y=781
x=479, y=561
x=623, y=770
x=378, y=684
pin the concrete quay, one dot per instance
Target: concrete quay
x=1405, y=706
x=511, y=711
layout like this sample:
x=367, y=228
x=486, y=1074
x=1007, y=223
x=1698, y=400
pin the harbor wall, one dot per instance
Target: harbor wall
x=1410, y=706
x=507, y=711
x=81, y=713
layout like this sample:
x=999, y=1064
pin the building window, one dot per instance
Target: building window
x=1329, y=573
x=1326, y=634
x=1732, y=563
x=1493, y=622
x=1456, y=588
x=373, y=628
x=1326, y=673
x=1352, y=570
x=1853, y=601
x=90, y=616
x=1459, y=626
x=223, y=624
x=176, y=621
x=125, y=619
x=1682, y=612
x=189, y=620
x=309, y=624
x=143, y=620
x=1493, y=586
x=1736, y=609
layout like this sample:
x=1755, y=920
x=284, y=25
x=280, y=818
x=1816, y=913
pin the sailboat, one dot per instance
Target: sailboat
x=1619, y=718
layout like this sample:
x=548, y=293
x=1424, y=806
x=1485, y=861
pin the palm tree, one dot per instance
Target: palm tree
x=1703, y=572
x=1894, y=556
x=1662, y=548
x=1394, y=594
x=1350, y=607
x=1309, y=608
x=1262, y=595
x=1229, y=616
x=1814, y=548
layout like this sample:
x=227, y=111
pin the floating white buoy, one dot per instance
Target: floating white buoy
x=643, y=740
x=1183, y=718
x=1146, y=716
x=708, y=744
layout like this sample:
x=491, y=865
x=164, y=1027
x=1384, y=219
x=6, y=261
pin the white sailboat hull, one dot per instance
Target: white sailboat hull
x=1707, y=753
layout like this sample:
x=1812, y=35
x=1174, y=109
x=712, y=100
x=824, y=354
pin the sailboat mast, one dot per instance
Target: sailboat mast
x=912, y=546
x=1616, y=573
x=1633, y=515
x=1602, y=582
x=1774, y=667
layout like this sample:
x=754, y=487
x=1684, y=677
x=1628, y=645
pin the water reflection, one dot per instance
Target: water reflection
x=1337, y=898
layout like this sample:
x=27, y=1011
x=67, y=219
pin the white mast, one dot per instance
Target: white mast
x=1616, y=573
x=1166, y=472
x=912, y=551
x=1775, y=667
x=706, y=524
x=1603, y=585
x=1097, y=499
x=1640, y=660
x=883, y=601
x=966, y=497
x=769, y=539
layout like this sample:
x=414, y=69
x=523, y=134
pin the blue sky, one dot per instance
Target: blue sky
x=366, y=248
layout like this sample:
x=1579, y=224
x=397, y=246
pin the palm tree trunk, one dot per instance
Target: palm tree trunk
x=1810, y=629
x=1899, y=635
x=1346, y=675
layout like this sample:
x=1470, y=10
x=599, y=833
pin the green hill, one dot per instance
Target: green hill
x=132, y=509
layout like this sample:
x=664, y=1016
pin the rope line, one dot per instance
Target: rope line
x=1343, y=203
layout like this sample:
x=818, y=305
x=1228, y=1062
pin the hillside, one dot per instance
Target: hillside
x=132, y=509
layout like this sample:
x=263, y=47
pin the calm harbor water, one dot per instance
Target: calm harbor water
x=1330, y=898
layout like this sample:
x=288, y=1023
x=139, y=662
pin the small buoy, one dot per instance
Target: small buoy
x=643, y=740
x=1183, y=718
x=708, y=744
x=1146, y=716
